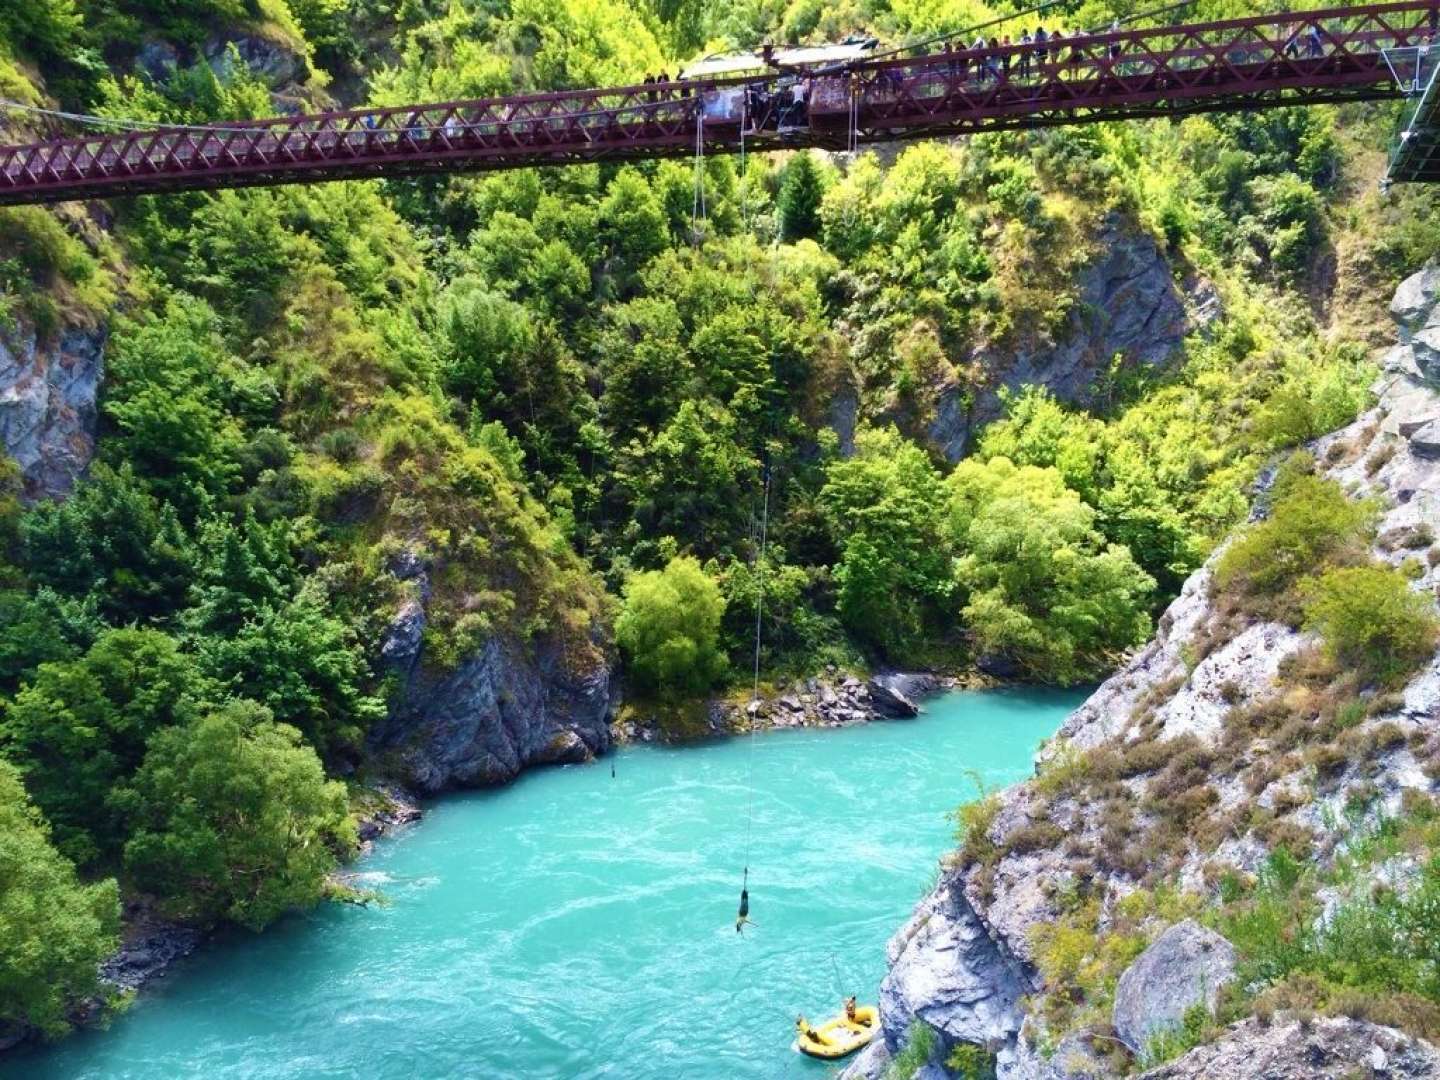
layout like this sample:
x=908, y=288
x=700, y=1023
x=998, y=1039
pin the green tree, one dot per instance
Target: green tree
x=802, y=189
x=54, y=931
x=885, y=507
x=79, y=728
x=670, y=628
x=1042, y=586
x=695, y=481
x=303, y=664
x=232, y=818
x=166, y=394
x=1371, y=620
x=113, y=543
x=632, y=227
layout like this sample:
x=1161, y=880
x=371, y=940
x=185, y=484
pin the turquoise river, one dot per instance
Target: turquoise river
x=575, y=925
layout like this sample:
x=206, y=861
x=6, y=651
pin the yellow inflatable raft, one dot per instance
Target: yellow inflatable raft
x=838, y=1036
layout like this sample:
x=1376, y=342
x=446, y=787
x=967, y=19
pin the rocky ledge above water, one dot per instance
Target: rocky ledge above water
x=833, y=700
x=967, y=963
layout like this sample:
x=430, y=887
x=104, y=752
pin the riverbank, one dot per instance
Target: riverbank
x=153, y=944
x=832, y=699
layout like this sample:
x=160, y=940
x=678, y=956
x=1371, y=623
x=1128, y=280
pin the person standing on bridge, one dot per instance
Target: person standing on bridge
x=978, y=48
x=1040, y=51
x=1315, y=42
x=1006, y=44
x=1025, y=40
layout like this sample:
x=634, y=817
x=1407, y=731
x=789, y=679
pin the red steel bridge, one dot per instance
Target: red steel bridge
x=1332, y=55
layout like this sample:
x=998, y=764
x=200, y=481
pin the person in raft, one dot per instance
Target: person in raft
x=850, y=1009
x=805, y=1031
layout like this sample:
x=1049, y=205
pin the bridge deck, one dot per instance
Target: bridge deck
x=1297, y=57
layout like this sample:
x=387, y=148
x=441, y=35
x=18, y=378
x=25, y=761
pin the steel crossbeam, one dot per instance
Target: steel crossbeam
x=1308, y=57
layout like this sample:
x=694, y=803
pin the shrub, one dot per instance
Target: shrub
x=970, y=1062
x=1371, y=620
x=670, y=628
x=915, y=1054
x=972, y=828
x=1312, y=524
x=54, y=931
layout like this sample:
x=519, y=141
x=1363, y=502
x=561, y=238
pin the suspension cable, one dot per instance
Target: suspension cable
x=697, y=211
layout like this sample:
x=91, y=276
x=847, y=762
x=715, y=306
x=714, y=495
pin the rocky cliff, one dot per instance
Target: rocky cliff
x=1127, y=305
x=1190, y=764
x=47, y=405
x=508, y=705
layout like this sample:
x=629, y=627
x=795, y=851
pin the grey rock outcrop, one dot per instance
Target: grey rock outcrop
x=1127, y=304
x=949, y=971
x=1325, y=1049
x=888, y=697
x=47, y=406
x=276, y=64
x=1185, y=966
x=505, y=707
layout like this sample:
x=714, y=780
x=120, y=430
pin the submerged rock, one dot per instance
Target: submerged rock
x=1185, y=966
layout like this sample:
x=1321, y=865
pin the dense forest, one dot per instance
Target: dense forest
x=572, y=397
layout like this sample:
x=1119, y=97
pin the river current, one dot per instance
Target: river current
x=579, y=925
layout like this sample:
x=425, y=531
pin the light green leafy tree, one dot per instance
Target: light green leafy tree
x=885, y=506
x=1041, y=584
x=670, y=628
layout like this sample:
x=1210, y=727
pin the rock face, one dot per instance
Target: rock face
x=949, y=971
x=274, y=63
x=505, y=707
x=1127, y=304
x=1327, y=1049
x=1184, y=967
x=965, y=964
x=47, y=406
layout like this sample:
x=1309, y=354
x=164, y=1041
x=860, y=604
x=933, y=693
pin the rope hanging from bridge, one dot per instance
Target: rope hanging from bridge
x=758, y=568
x=697, y=212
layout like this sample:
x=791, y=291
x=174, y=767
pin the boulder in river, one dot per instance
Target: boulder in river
x=888, y=700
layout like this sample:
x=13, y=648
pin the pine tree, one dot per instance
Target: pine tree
x=801, y=190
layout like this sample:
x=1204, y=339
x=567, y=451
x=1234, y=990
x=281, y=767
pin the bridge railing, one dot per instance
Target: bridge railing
x=1261, y=51
x=1256, y=55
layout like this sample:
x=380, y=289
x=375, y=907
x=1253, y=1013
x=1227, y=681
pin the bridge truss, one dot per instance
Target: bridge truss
x=1311, y=57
